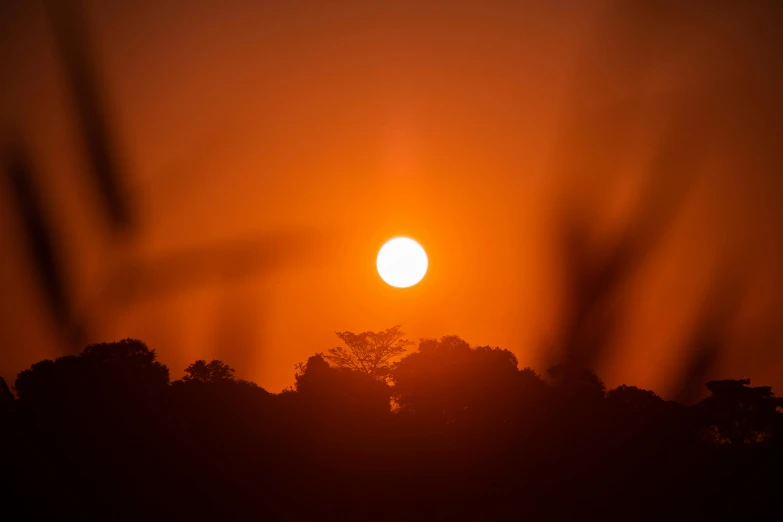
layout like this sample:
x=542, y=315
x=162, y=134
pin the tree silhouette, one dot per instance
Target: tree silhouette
x=369, y=352
x=738, y=413
x=632, y=398
x=99, y=372
x=341, y=391
x=577, y=381
x=209, y=373
x=638, y=412
x=473, y=438
x=448, y=381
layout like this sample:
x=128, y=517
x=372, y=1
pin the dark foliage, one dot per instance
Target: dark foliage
x=453, y=432
x=369, y=352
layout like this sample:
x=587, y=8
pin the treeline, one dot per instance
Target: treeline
x=366, y=433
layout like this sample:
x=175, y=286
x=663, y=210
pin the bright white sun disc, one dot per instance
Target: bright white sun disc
x=402, y=262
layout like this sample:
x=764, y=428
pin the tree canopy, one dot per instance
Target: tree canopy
x=373, y=353
x=451, y=431
x=212, y=372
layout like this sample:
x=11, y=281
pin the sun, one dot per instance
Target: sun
x=402, y=262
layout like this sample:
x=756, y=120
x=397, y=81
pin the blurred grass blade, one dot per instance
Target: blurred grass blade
x=39, y=237
x=70, y=31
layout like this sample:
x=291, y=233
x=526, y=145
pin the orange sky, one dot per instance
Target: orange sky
x=337, y=126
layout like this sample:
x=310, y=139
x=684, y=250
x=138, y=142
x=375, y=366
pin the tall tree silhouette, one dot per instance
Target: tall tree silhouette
x=369, y=352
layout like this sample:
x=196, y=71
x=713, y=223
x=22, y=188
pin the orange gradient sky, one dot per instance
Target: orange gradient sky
x=333, y=127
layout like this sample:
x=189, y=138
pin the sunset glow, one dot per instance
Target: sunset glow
x=217, y=221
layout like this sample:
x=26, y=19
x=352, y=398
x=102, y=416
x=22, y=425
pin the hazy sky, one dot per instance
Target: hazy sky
x=325, y=128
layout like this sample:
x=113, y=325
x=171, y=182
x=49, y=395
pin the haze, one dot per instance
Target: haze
x=321, y=132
